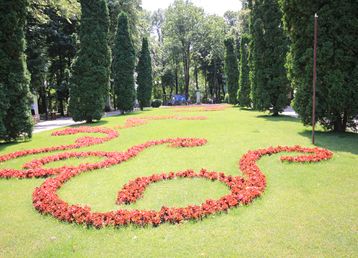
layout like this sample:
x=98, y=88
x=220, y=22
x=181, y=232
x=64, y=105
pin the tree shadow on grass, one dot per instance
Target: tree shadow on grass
x=345, y=142
x=134, y=113
x=280, y=118
x=4, y=145
x=244, y=108
x=98, y=123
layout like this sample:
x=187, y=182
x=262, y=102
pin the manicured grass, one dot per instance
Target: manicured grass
x=306, y=210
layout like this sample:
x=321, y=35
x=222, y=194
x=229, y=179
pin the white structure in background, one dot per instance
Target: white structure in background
x=35, y=109
x=198, y=97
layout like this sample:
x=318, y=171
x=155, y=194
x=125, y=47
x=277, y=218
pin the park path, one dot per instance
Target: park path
x=67, y=121
x=62, y=122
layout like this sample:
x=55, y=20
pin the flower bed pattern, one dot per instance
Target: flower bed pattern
x=80, y=142
x=137, y=121
x=243, y=189
x=201, y=108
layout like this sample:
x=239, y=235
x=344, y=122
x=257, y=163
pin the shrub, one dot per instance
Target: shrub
x=156, y=103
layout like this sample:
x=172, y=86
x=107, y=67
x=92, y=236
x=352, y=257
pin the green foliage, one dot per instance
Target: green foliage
x=271, y=87
x=209, y=50
x=144, y=78
x=337, y=63
x=244, y=82
x=61, y=44
x=231, y=70
x=136, y=21
x=156, y=103
x=123, y=66
x=63, y=8
x=181, y=25
x=90, y=78
x=15, y=96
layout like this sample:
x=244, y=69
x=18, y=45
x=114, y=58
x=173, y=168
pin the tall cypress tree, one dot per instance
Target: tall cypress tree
x=271, y=85
x=231, y=70
x=144, y=78
x=257, y=61
x=91, y=70
x=337, y=63
x=244, y=82
x=15, y=96
x=123, y=66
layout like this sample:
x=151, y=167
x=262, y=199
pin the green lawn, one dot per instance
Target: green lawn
x=306, y=210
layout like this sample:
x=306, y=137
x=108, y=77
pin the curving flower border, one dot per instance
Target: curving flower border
x=137, y=121
x=201, y=108
x=80, y=142
x=243, y=190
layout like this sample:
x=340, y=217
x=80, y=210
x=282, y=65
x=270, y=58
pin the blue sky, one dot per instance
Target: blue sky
x=218, y=7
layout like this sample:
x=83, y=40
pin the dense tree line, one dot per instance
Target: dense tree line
x=259, y=57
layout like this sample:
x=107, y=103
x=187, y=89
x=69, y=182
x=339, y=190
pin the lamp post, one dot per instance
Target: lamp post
x=314, y=77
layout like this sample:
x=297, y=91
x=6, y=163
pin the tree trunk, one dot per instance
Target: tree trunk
x=176, y=81
x=196, y=77
x=340, y=125
x=186, y=61
x=215, y=83
x=206, y=85
x=275, y=113
x=62, y=112
x=44, y=99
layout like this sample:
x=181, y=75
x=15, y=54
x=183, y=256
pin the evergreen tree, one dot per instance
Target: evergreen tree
x=272, y=93
x=123, y=66
x=256, y=62
x=337, y=63
x=231, y=70
x=15, y=96
x=91, y=70
x=144, y=78
x=244, y=82
x=251, y=55
x=271, y=86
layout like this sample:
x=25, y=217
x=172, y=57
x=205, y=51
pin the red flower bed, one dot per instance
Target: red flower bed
x=80, y=142
x=201, y=108
x=45, y=199
x=137, y=121
x=243, y=190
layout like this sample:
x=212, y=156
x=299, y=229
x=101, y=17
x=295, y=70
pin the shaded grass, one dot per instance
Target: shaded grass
x=306, y=210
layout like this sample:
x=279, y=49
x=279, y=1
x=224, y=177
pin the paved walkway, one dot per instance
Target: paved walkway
x=62, y=122
x=289, y=112
x=67, y=121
